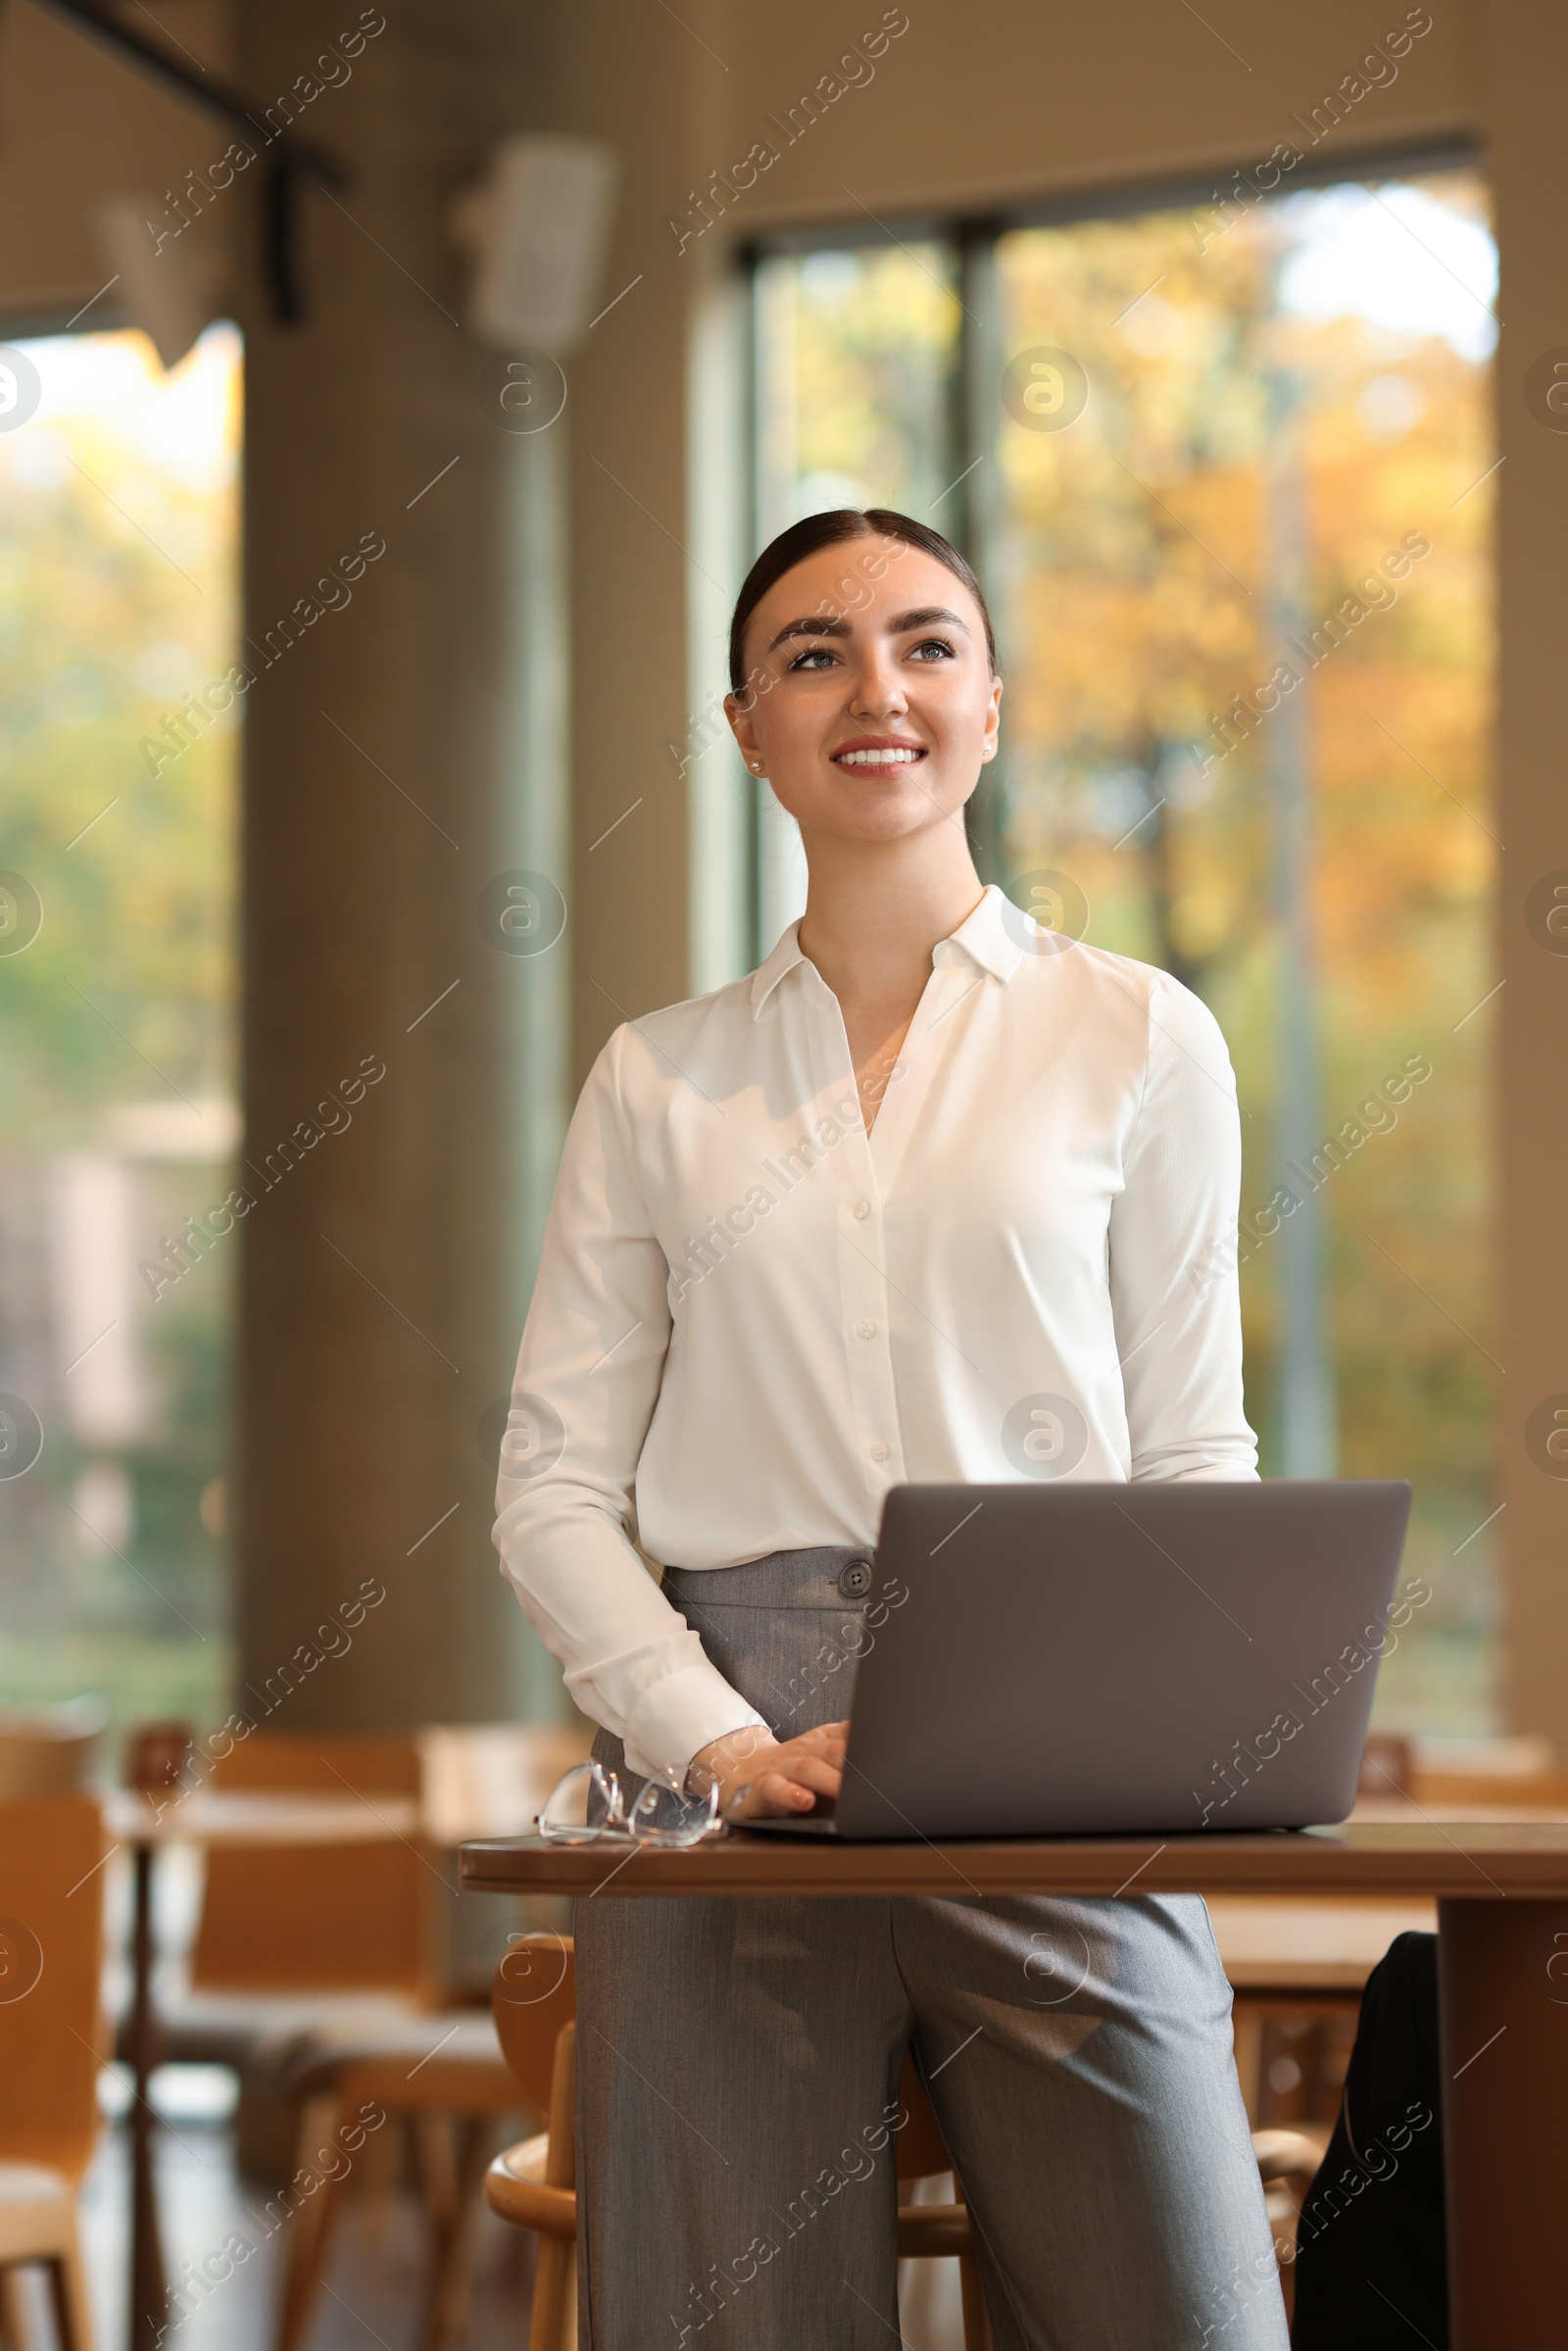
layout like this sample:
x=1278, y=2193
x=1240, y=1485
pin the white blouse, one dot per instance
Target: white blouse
x=751, y=1318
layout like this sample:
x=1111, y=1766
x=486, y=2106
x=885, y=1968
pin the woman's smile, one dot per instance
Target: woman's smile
x=879, y=753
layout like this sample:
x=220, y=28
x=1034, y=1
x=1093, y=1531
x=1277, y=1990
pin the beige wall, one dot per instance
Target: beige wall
x=996, y=102
x=1006, y=101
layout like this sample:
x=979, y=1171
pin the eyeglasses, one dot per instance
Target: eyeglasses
x=587, y=1806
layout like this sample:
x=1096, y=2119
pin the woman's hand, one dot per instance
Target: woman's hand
x=763, y=1777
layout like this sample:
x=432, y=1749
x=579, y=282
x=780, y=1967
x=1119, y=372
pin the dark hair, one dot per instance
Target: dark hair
x=832, y=529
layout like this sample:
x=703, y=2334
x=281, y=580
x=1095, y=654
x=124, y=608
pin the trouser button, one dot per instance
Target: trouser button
x=854, y=1580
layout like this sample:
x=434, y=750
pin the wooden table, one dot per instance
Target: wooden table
x=1501, y=1891
x=205, y=1816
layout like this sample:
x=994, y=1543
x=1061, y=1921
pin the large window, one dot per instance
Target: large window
x=117, y=619
x=1226, y=473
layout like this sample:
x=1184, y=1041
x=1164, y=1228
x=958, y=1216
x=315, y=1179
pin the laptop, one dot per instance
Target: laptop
x=1050, y=1661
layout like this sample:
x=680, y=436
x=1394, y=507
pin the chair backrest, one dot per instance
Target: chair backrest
x=48, y=1750
x=320, y=1917
x=51, y=1965
x=534, y=1993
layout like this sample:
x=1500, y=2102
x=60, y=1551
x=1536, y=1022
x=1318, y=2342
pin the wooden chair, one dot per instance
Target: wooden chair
x=291, y=1938
x=534, y=2184
x=435, y=2073
x=48, y=1750
x=294, y=1941
x=319, y=1973
x=442, y=2074
x=287, y=1934
x=320, y=1917
x=51, y=2046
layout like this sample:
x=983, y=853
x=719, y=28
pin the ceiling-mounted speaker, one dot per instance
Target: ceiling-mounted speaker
x=538, y=228
x=171, y=279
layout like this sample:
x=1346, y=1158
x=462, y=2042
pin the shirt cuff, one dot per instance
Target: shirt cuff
x=679, y=1715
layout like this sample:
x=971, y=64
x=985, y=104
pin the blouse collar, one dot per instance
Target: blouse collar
x=984, y=939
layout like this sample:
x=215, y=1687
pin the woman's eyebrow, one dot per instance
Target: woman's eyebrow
x=924, y=617
x=813, y=625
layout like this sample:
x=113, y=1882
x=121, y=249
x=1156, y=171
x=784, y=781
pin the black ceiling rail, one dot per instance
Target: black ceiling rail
x=290, y=163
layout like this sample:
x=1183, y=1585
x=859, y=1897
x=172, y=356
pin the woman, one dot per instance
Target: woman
x=921, y=1199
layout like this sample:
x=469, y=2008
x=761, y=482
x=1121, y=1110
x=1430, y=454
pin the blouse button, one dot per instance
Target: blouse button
x=865, y=1330
x=879, y=1451
x=862, y=1209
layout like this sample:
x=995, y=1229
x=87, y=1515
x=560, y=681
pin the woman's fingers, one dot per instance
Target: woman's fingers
x=794, y=1788
x=787, y=1778
x=815, y=1772
x=774, y=1793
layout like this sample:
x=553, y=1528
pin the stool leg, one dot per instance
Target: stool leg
x=555, y=2280
x=554, y=2296
x=569, y=2306
x=14, y=2329
x=447, y=2303
x=434, y=2135
x=68, y=2285
x=309, y=2231
x=306, y=2267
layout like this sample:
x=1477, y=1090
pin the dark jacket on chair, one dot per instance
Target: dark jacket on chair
x=1370, y=2272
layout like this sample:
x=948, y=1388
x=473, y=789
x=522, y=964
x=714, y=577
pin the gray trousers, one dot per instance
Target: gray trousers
x=739, y=2063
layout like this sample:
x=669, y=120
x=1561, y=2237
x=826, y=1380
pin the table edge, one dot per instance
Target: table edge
x=1312, y=1863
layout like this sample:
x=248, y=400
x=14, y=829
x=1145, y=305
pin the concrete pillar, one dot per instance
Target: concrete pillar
x=399, y=756
x=643, y=558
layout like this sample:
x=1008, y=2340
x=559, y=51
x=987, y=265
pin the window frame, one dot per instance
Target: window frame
x=974, y=234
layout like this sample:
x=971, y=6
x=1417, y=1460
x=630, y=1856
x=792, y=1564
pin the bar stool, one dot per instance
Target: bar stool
x=534, y=2184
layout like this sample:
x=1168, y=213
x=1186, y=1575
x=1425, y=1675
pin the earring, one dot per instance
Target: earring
x=756, y=766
